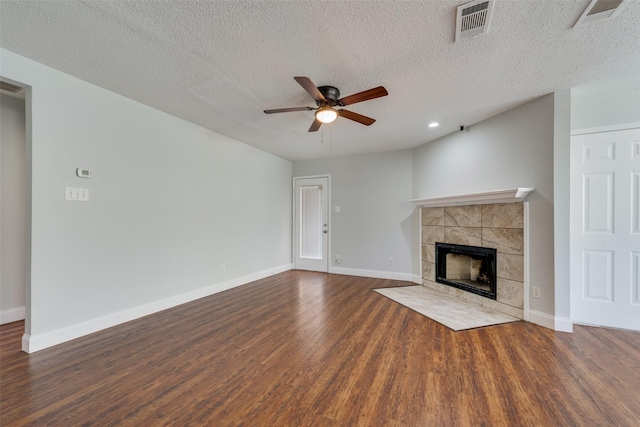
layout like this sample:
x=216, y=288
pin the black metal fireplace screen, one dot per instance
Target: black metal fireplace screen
x=470, y=268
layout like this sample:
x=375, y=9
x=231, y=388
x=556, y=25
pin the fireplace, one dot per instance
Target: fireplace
x=470, y=268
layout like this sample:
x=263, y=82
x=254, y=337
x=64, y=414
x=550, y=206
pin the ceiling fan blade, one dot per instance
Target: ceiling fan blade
x=315, y=125
x=308, y=85
x=367, y=121
x=364, y=96
x=287, y=110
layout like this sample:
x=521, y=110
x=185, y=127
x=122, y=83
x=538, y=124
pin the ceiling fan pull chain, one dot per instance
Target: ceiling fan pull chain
x=331, y=137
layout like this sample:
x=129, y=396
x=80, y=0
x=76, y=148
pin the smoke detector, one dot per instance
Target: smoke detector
x=473, y=19
x=601, y=9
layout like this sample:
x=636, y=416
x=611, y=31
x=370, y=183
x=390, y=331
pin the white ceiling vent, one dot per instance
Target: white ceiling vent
x=473, y=18
x=601, y=9
x=11, y=89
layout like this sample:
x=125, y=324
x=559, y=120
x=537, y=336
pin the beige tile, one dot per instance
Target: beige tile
x=511, y=293
x=437, y=286
x=510, y=267
x=462, y=216
x=503, y=308
x=430, y=284
x=432, y=216
x=429, y=253
x=432, y=234
x=503, y=215
x=471, y=236
x=505, y=240
x=468, y=296
x=450, y=311
x=449, y=290
x=429, y=271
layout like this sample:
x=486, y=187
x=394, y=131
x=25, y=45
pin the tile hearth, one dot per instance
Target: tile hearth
x=448, y=310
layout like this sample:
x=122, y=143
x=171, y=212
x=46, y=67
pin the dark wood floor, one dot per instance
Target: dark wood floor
x=311, y=349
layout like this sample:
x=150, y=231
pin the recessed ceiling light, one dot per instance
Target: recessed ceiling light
x=434, y=124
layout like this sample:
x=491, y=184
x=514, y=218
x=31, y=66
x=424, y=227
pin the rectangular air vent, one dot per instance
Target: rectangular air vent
x=601, y=9
x=473, y=18
x=11, y=89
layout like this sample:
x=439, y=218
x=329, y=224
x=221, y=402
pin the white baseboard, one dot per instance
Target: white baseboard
x=33, y=343
x=11, y=315
x=416, y=279
x=376, y=274
x=560, y=324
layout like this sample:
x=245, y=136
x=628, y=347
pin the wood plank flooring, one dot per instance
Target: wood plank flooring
x=312, y=349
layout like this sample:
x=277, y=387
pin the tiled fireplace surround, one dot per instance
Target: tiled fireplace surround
x=499, y=226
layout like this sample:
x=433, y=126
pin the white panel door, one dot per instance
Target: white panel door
x=311, y=227
x=605, y=229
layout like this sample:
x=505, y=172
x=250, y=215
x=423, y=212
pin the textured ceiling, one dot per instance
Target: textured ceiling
x=221, y=63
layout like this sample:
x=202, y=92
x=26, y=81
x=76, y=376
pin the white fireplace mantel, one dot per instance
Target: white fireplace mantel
x=510, y=195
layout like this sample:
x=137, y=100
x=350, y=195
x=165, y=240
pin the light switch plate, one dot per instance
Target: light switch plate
x=79, y=194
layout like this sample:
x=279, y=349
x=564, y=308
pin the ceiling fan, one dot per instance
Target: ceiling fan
x=327, y=98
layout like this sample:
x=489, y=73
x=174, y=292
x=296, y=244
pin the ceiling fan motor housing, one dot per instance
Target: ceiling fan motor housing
x=331, y=94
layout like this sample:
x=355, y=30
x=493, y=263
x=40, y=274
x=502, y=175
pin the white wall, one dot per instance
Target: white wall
x=170, y=203
x=375, y=218
x=513, y=149
x=593, y=109
x=13, y=207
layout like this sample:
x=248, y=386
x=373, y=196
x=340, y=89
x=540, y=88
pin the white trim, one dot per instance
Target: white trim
x=11, y=315
x=608, y=128
x=542, y=319
x=510, y=195
x=33, y=343
x=375, y=274
x=560, y=324
x=418, y=278
x=563, y=324
x=527, y=265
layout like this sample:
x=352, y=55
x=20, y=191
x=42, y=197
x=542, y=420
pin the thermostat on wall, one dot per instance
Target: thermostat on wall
x=84, y=173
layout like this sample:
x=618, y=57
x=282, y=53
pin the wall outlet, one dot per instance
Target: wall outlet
x=536, y=292
x=390, y=261
x=338, y=259
x=223, y=269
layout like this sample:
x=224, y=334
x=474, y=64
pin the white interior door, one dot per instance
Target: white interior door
x=311, y=227
x=605, y=229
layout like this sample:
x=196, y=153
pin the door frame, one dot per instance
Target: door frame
x=294, y=245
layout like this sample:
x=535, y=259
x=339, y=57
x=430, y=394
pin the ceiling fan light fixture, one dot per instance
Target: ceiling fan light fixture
x=326, y=114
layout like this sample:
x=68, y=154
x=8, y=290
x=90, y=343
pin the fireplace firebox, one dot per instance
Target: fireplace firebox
x=470, y=268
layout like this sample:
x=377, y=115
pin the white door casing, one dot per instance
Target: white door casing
x=605, y=229
x=311, y=223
